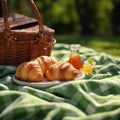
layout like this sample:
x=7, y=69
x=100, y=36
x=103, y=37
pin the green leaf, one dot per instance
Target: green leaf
x=91, y=59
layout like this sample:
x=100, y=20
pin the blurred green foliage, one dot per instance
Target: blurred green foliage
x=102, y=15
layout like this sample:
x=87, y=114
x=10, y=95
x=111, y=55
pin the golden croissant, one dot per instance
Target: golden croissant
x=35, y=70
x=61, y=71
x=29, y=71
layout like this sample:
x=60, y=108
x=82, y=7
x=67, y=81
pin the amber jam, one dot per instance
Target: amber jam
x=75, y=58
x=76, y=61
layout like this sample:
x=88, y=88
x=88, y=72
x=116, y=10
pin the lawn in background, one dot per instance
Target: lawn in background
x=107, y=44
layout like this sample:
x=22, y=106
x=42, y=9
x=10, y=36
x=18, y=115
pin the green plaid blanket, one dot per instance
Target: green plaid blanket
x=96, y=97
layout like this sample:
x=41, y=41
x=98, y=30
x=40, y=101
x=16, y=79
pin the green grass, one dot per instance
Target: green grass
x=107, y=44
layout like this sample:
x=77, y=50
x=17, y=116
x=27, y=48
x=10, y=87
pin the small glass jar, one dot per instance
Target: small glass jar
x=75, y=58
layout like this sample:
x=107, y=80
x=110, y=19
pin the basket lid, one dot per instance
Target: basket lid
x=22, y=23
x=18, y=20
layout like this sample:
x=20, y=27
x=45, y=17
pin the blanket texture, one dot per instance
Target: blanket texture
x=95, y=97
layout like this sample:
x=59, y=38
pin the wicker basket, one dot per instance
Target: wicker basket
x=24, y=44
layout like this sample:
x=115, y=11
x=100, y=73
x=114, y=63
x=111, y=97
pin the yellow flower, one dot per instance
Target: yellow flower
x=87, y=68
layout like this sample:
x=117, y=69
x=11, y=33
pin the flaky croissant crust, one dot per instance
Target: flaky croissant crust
x=45, y=62
x=30, y=71
x=61, y=71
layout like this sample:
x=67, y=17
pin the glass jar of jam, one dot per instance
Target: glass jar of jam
x=75, y=58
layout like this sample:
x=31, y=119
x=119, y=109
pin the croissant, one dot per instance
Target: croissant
x=30, y=71
x=61, y=71
x=45, y=62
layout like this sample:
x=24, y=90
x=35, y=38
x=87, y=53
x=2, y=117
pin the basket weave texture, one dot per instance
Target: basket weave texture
x=20, y=43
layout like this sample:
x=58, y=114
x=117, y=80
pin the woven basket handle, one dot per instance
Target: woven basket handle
x=5, y=16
